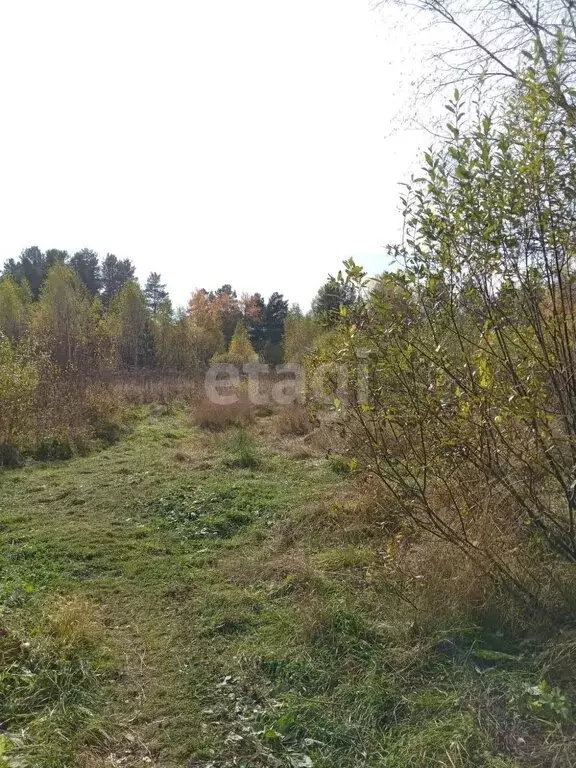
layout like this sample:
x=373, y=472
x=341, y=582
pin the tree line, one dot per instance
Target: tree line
x=88, y=313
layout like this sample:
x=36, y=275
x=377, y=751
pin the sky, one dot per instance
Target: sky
x=257, y=143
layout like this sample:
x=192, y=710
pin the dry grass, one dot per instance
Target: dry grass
x=437, y=581
x=490, y=577
x=216, y=418
x=71, y=411
x=161, y=388
x=77, y=622
x=281, y=573
x=293, y=420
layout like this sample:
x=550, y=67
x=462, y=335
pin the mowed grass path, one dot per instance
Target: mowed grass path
x=163, y=606
x=145, y=530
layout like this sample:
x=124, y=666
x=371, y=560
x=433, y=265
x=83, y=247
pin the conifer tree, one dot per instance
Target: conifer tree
x=85, y=263
x=241, y=350
x=155, y=292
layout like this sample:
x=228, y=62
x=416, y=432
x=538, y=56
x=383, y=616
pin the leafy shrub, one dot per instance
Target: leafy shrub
x=104, y=412
x=340, y=464
x=18, y=384
x=53, y=449
x=108, y=432
x=460, y=369
x=145, y=388
x=10, y=456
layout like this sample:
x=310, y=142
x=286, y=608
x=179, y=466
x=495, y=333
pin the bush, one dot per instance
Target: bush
x=108, y=432
x=104, y=412
x=340, y=464
x=10, y=456
x=53, y=449
x=145, y=388
x=19, y=378
x=460, y=369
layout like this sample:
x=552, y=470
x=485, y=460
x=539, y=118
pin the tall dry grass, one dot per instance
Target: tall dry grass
x=214, y=417
x=147, y=387
x=293, y=420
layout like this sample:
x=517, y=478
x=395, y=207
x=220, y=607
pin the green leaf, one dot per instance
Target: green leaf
x=490, y=655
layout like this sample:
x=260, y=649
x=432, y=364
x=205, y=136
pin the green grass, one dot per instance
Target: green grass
x=240, y=619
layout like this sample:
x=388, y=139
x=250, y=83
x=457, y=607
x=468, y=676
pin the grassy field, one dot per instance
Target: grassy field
x=190, y=598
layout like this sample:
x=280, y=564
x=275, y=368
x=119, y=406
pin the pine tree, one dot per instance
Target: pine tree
x=275, y=318
x=31, y=266
x=155, y=292
x=330, y=297
x=254, y=310
x=85, y=263
x=115, y=274
x=225, y=304
x=56, y=256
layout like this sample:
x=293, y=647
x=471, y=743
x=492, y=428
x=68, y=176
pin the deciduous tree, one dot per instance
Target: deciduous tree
x=15, y=308
x=63, y=318
x=300, y=333
x=130, y=327
x=206, y=325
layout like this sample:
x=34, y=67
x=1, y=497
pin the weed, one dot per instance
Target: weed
x=340, y=464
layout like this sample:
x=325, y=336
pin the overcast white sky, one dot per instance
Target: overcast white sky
x=243, y=141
